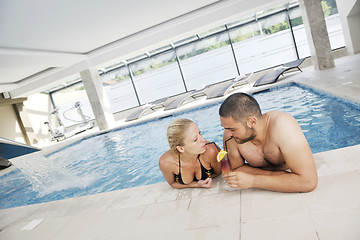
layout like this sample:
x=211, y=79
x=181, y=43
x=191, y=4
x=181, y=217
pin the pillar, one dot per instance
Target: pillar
x=317, y=35
x=98, y=99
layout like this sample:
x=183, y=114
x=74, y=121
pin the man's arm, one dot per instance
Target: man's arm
x=235, y=158
x=297, y=155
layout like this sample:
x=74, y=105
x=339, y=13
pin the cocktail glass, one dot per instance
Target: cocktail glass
x=225, y=164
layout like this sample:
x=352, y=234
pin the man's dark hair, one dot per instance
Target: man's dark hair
x=240, y=106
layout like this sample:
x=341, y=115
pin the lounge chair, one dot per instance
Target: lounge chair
x=179, y=100
x=146, y=109
x=226, y=88
x=209, y=91
x=273, y=76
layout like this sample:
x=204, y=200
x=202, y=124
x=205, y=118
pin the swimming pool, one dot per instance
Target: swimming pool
x=128, y=157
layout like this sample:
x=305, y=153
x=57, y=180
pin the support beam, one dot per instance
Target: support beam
x=98, y=99
x=317, y=35
x=10, y=101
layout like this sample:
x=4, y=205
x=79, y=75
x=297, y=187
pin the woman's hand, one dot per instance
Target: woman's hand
x=207, y=183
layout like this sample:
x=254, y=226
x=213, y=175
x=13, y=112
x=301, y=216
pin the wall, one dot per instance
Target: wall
x=38, y=107
x=9, y=125
x=35, y=113
x=349, y=11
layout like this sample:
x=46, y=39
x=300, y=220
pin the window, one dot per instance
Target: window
x=262, y=44
x=207, y=61
x=157, y=77
x=119, y=89
x=65, y=100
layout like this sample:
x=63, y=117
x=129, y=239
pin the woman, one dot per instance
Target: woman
x=191, y=160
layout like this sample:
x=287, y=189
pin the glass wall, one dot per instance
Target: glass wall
x=333, y=24
x=263, y=43
x=157, y=77
x=257, y=42
x=302, y=43
x=206, y=61
x=119, y=89
x=65, y=100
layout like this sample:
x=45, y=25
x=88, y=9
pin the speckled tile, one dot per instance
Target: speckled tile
x=228, y=232
x=338, y=161
x=338, y=224
x=214, y=210
x=334, y=192
x=75, y=227
x=44, y=231
x=260, y=204
x=294, y=227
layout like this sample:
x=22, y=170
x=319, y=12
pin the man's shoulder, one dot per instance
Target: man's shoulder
x=280, y=118
x=283, y=124
x=277, y=114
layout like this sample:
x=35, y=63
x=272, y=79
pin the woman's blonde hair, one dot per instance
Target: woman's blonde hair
x=176, y=133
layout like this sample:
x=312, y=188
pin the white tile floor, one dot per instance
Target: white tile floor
x=331, y=211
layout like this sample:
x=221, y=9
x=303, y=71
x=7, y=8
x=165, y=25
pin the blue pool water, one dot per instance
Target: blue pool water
x=128, y=157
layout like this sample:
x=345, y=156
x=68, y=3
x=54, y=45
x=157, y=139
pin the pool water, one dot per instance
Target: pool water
x=128, y=157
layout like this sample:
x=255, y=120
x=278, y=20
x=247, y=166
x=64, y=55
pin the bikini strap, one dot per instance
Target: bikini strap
x=217, y=147
x=179, y=165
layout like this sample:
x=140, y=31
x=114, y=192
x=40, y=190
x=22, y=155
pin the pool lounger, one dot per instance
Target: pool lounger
x=178, y=101
x=226, y=88
x=143, y=110
x=214, y=93
x=273, y=76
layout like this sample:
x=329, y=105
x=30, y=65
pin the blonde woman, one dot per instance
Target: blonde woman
x=191, y=160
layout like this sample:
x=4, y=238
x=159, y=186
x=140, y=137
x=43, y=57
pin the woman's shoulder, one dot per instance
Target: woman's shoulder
x=212, y=146
x=167, y=158
x=211, y=149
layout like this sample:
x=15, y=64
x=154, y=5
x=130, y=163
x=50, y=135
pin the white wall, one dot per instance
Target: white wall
x=9, y=125
x=349, y=11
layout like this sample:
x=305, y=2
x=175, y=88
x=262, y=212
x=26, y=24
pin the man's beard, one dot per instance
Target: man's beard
x=251, y=137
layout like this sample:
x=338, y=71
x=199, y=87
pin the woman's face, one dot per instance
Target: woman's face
x=194, y=142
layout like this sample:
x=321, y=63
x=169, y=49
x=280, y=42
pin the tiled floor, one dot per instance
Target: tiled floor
x=331, y=211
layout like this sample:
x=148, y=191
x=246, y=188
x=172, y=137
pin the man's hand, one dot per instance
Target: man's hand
x=239, y=180
x=207, y=183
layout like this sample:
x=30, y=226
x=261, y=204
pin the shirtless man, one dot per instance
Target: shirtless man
x=277, y=154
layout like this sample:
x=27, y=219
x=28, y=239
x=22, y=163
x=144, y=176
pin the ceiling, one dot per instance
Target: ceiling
x=46, y=42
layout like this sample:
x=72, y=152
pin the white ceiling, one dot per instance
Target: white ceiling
x=46, y=42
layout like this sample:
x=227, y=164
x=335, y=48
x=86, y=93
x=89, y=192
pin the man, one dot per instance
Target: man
x=267, y=151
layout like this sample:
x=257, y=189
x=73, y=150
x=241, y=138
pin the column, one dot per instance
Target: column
x=317, y=35
x=98, y=99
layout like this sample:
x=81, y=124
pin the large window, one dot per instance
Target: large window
x=302, y=43
x=65, y=101
x=333, y=24
x=207, y=61
x=157, y=77
x=263, y=43
x=119, y=89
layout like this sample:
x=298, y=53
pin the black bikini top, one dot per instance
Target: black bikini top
x=205, y=173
